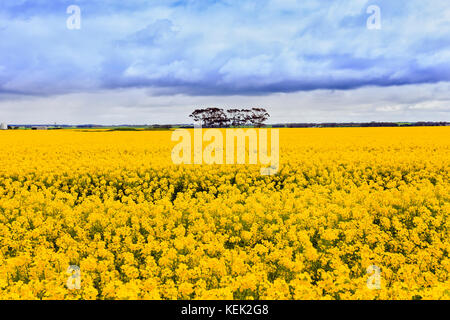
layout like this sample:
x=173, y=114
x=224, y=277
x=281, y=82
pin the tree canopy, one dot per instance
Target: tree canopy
x=218, y=118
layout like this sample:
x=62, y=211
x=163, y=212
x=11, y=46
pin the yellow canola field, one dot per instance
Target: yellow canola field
x=140, y=227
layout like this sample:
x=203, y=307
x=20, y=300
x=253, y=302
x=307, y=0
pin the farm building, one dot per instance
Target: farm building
x=3, y=126
x=39, y=128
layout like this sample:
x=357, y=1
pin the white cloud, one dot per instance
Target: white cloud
x=305, y=59
x=139, y=106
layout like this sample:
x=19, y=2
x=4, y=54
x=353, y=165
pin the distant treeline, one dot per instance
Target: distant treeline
x=241, y=119
x=362, y=124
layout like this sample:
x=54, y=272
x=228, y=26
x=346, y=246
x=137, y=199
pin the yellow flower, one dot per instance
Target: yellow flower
x=345, y=201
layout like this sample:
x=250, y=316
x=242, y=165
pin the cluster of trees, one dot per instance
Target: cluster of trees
x=218, y=118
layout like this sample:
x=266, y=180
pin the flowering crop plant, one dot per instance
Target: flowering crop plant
x=140, y=227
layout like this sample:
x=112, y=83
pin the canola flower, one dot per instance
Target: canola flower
x=140, y=227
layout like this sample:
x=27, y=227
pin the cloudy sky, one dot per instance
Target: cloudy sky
x=145, y=62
